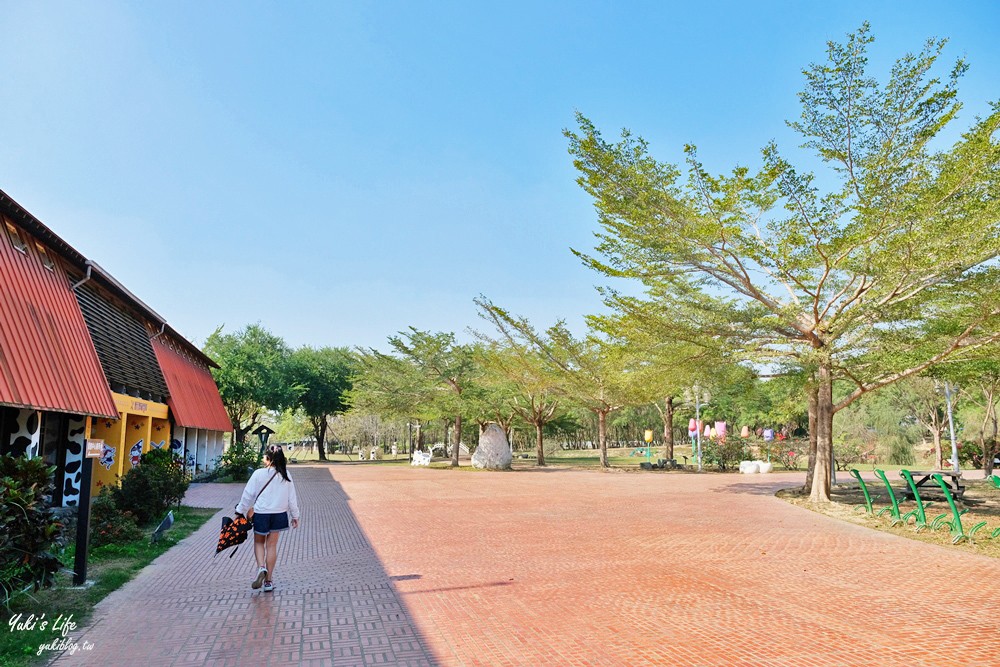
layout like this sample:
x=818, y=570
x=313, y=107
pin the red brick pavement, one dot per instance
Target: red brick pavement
x=416, y=566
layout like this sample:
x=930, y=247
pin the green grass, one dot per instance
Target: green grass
x=109, y=567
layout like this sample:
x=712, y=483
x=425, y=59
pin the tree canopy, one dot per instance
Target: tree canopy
x=883, y=273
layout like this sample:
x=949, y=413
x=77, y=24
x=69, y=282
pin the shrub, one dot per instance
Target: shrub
x=788, y=454
x=848, y=453
x=28, y=529
x=109, y=524
x=151, y=487
x=239, y=460
x=726, y=454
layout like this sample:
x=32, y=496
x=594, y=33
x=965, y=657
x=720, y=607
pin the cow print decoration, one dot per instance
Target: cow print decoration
x=75, y=444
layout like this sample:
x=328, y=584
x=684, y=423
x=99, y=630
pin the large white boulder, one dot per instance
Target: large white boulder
x=493, y=452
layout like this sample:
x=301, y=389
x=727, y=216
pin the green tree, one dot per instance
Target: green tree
x=325, y=377
x=396, y=388
x=524, y=386
x=593, y=372
x=923, y=398
x=844, y=283
x=253, y=375
x=443, y=370
x=980, y=382
x=666, y=365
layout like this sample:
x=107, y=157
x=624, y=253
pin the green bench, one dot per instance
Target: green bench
x=957, y=532
x=918, y=514
x=894, y=508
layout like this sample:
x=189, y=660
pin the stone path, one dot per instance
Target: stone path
x=414, y=566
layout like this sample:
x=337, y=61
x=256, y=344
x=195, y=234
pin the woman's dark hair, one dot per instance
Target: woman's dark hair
x=276, y=455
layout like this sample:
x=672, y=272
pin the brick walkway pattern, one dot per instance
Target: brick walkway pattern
x=415, y=566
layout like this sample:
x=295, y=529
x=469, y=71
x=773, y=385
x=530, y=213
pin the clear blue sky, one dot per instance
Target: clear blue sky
x=339, y=171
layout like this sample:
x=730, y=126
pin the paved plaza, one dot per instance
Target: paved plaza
x=413, y=566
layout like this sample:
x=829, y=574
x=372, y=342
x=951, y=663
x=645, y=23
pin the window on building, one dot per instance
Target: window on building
x=15, y=237
x=44, y=255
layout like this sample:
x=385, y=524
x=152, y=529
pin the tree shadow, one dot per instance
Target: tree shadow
x=334, y=601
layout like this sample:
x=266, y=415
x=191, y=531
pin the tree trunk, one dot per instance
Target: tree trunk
x=320, y=433
x=668, y=427
x=602, y=436
x=820, y=492
x=811, y=468
x=241, y=433
x=458, y=441
x=538, y=442
x=936, y=436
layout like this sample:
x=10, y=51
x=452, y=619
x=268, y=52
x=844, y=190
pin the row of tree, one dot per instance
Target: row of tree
x=887, y=272
x=260, y=375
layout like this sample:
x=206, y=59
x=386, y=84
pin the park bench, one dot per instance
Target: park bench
x=954, y=480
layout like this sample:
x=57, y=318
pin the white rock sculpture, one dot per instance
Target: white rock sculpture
x=493, y=452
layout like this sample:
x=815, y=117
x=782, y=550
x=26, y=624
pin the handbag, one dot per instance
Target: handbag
x=235, y=530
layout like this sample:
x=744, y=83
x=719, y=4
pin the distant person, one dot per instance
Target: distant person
x=268, y=499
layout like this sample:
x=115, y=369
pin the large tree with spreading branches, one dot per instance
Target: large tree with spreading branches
x=885, y=271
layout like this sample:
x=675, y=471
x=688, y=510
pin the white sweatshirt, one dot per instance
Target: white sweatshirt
x=279, y=496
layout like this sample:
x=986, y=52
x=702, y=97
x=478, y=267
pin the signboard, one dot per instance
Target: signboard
x=137, y=406
x=95, y=447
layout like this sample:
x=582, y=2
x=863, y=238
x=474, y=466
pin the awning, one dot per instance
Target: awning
x=47, y=358
x=194, y=398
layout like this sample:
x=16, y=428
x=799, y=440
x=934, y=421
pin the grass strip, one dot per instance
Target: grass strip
x=37, y=622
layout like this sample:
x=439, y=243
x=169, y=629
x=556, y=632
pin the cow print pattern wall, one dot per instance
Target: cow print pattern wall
x=75, y=443
x=23, y=434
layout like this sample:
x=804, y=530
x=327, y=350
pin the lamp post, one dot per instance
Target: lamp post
x=263, y=433
x=698, y=395
x=648, y=437
x=951, y=426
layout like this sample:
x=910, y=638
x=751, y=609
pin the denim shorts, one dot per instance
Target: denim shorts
x=267, y=523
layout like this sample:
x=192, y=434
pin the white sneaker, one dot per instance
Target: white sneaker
x=268, y=586
x=261, y=576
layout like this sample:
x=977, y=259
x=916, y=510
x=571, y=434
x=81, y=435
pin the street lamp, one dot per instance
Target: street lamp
x=263, y=433
x=698, y=396
x=948, y=395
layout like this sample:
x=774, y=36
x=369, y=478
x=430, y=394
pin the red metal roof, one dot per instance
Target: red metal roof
x=47, y=359
x=194, y=398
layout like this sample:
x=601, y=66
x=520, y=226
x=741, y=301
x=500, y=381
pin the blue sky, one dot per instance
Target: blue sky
x=339, y=172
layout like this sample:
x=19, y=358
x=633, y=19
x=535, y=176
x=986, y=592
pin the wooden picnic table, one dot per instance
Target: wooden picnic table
x=922, y=477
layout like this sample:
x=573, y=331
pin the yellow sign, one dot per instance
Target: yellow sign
x=649, y=435
x=136, y=406
x=95, y=447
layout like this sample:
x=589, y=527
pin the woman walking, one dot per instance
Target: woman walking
x=268, y=499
